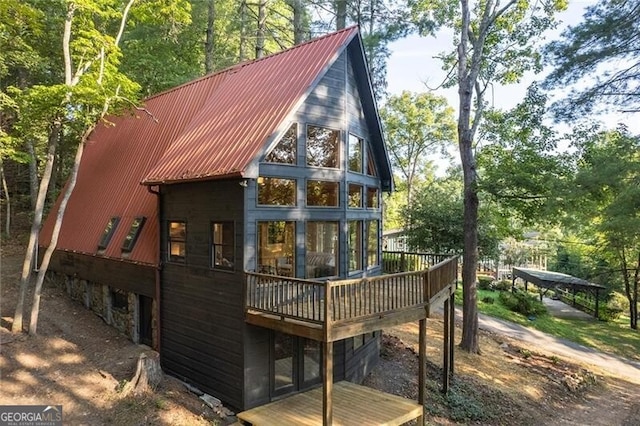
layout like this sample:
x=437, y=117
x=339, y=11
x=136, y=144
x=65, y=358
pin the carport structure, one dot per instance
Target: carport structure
x=550, y=280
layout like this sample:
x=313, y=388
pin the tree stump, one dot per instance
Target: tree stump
x=148, y=374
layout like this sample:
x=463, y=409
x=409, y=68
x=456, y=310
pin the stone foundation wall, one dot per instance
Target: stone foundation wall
x=98, y=298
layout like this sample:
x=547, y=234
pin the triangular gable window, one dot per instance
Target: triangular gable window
x=371, y=164
x=285, y=151
x=134, y=232
x=109, y=230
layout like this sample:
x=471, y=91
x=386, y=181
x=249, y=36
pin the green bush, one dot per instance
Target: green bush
x=618, y=301
x=488, y=300
x=522, y=303
x=484, y=282
x=502, y=285
x=609, y=314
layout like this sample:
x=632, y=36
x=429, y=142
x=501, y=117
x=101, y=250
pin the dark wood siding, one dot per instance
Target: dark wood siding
x=359, y=363
x=124, y=275
x=202, y=323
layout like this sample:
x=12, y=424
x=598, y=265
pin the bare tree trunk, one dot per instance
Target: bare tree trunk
x=33, y=174
x=260, y=32
x=5, y=189
x=298, y=15
x=46, y=259
x=209, y=42
x=341, y=14
x=29, y=260
x=243, y=29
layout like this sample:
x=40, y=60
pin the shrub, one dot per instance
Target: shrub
x=609, y=314
x=488, y=300
x=522, y=303
x=502, y=285
x=618, y=301
x=484, y=282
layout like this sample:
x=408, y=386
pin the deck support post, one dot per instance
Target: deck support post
x=422, y=352
x=446, y=347
x=327, y=386
x=452, y=331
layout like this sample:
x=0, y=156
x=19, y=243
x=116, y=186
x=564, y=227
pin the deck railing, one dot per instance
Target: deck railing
x=348, y=300
x=401, y=261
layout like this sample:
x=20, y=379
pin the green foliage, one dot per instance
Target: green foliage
x=488, y=300
x=522, y=303
x=484, y=282
x=502, y=285
x=595, y=58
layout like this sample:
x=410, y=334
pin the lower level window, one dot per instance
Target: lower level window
x=372, y=243
x=177, y=241
x=276, y=248
x=119, y=300
x=322, y=249
x=222, y=245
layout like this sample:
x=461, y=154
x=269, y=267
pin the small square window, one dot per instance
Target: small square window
x=355, y=196
x=109, y=230
x=222, y=245
x=322, y=194
x=119, y=300
x=177, y=241
x=276, y=191
x=134, y=232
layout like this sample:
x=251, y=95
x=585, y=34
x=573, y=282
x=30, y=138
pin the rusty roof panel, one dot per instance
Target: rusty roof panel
x=211, y=127
x=245, y=110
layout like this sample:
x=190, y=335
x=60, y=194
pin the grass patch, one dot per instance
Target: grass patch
x=613, y=337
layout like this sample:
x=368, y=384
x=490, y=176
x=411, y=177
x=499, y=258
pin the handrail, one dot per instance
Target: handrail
x=348, y=300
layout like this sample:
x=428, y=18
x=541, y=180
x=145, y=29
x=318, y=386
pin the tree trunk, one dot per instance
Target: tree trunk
x=46, y=259
x=27, y=265
x=466, y=79
x=5, y=189
x=243, y=29
x=341, y=14
x=33, y=174
x=148, y=374
x=209, y=42
x=260, y=32
x=298, y=15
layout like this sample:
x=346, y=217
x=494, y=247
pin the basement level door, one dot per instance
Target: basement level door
x=295, y=363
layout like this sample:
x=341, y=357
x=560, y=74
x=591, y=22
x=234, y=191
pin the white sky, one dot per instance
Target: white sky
x=412, y=64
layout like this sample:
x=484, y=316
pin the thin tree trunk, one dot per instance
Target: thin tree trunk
x=341, y=14
x=243, y=29
x=33, y=174
x=29, y=260
x=210, y=42
x=298, y=14
x=46, y=259
x=5, y=189
x=260, y=32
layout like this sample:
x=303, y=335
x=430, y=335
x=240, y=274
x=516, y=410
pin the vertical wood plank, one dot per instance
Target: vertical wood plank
x=445, y=349
x=422, y=352
x=452, y=330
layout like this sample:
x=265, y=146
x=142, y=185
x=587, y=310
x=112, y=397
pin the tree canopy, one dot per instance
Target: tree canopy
x=599, y=60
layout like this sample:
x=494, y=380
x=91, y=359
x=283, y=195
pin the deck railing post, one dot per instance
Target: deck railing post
x=327, y=371
x=422, y=351
x=446, y=347
x=452, y=329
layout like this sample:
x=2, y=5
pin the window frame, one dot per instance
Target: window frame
x=368, y=250
x=336, y=255
x=261, y=183
x=260, y=245
x=358, y=245
x=213, y=245
x=320, y=181
x=107, y=234
x=376, y=199
x=132, y=236
x=172, y=258
x=361, y=143
x=362, y=187
x=295, y=154
x=120, y=296
x=339, y=158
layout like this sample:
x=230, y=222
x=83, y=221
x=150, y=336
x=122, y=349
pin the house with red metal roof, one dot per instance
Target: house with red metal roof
x=234, y=224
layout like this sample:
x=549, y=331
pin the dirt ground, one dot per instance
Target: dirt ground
x=81, y=363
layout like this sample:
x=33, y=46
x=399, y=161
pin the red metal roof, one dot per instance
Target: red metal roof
x=248, y=106
x=209, y=128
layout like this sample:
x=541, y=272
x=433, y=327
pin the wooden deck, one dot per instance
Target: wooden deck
x=353, y=405
x=335, y=310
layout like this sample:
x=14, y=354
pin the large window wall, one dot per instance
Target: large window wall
x=324, y=212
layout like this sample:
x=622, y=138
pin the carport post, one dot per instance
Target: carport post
x=597, y=302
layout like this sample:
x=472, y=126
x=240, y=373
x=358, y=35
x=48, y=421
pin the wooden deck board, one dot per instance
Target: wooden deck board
x=352, y=404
